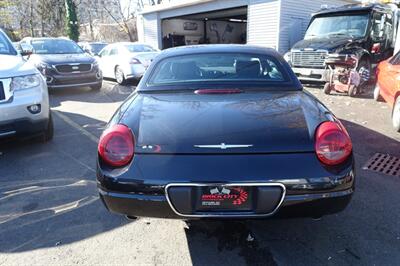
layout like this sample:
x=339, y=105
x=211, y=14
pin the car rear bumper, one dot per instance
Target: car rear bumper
x=304, y=189
x=135, y=71
x=292, y=206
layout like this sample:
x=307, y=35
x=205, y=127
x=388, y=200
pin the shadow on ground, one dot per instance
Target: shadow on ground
x=48, y=193
x=367, y=232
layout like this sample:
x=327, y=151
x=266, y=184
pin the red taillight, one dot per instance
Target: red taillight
x=332, y=143
x=218, y=91
x=134, y=61
x=376, y=48
x=116, y=146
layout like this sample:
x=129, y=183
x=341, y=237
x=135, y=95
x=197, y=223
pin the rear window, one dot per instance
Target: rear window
x=203, y=68
x=138, y=48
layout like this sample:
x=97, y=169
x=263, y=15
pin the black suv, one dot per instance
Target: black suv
x=64, y=63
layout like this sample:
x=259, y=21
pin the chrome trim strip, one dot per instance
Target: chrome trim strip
x=221, y=214
x=8, y=133
x=223, y=146
x=73, y=85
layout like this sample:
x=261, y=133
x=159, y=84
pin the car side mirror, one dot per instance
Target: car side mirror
x=26, y=49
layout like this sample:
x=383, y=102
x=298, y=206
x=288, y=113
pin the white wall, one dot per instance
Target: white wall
x=263, y=22
x=295, y=17
x=217, y=31
x=151, y=27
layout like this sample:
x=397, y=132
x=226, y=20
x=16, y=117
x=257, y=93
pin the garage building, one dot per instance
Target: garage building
x=273, y=23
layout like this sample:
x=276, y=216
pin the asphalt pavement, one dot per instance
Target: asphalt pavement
x=50, y=212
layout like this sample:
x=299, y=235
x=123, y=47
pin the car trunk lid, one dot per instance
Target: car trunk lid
x=248, y=122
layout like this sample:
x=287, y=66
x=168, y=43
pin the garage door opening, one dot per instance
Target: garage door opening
x=222, y=26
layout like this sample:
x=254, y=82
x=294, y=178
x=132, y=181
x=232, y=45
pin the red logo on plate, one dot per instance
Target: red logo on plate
x=236, y=195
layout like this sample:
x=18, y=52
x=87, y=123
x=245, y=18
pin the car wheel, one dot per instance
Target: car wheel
x=327, y=88
x=377, y=93
x=364, y=63
x=97, y=87
x=352, y=91
x=396, y=115
x=120, y=76
x=48, y=134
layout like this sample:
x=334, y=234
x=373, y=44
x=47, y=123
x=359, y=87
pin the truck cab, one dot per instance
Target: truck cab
x=366, y=31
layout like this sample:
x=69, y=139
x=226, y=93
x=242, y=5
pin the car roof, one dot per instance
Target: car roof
x=353, y=8
x=218, y=48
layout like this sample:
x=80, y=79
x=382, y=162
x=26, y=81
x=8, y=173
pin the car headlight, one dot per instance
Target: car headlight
x=96, y=64
x=288, y=57
x=43, y=67
x=25, y=82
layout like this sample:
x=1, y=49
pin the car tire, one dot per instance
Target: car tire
x=364, y=62
x=48, y=134
x=327, y=88
x=396, y=115
x=377, y=93
x=353, y=91
x=120, y=76
x=97, y=87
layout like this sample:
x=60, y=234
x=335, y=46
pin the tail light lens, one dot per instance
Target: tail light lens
x=332, y=143
x=116, y=146
x=134, y=61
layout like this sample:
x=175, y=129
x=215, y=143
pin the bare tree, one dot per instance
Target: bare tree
x=122, y=16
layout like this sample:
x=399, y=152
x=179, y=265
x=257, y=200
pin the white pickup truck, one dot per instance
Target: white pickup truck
x=24, y=99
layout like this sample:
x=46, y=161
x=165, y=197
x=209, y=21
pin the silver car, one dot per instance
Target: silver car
x=24, y=99
x=126, y=60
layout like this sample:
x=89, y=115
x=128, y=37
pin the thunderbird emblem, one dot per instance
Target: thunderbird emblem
x=223, y=146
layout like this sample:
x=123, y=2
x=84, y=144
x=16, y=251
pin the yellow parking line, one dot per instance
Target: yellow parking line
x=67, y=120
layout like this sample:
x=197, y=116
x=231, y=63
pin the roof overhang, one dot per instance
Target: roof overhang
x=168, y=6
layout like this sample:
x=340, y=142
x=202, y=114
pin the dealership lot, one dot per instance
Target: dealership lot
x=50, y=211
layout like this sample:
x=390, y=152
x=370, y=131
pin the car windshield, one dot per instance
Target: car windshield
x=55, y=46
x=6, y=46
x=353, y=26
x=220, y=68
x=139, y=48
x=97, y=47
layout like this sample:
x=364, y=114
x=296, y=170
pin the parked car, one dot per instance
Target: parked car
x=388, y=86
x=224, y=131
x=24, y=100
x=93, y=48
x=64, y=63
x=364, y=31
x=126, y=60
x=17, y=46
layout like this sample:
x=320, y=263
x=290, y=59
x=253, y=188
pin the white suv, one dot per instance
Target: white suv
x=24, y=99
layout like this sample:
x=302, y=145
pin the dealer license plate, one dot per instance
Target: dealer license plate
x=225, y=198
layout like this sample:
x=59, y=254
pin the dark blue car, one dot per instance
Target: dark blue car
x=224, y=131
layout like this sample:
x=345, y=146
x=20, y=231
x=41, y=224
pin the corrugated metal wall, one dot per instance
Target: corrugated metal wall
x=295, y=16
x=263, y=22
x=151, y=30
